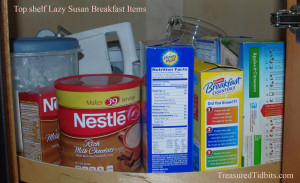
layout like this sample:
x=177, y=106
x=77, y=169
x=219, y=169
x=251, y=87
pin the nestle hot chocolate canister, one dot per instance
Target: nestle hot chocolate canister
x=100, y=122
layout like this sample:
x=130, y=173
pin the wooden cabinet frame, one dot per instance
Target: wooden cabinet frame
x=7, y=94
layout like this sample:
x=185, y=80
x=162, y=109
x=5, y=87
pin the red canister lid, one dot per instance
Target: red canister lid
x=97, y=82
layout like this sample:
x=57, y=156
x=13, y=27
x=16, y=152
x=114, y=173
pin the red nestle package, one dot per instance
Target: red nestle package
x=40, y=129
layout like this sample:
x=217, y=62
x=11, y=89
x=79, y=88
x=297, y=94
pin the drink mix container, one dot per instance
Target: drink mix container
x=99, y=118
x=218, y=116
x=40, y=131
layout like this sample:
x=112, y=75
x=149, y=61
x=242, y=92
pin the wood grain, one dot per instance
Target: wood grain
x=291, y=135
x=33, y=171
x=7, y=92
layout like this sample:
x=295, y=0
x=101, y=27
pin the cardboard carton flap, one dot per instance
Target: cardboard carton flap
x=206, y=66
x=164, y=42
x=47, y=89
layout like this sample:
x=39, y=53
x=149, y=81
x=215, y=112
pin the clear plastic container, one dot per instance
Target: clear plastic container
x=36, y=70
x=187, y=29
x=37, y=62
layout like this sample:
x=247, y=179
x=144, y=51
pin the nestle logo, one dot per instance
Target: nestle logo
x=217, y=81
x=50, y=105
x=100, y=120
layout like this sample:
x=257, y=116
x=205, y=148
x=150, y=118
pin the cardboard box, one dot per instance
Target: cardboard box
x=212, y=49
x=218, y=116
x=263, y=63
x=167, y=107
x=40, y=130
x=208, y=49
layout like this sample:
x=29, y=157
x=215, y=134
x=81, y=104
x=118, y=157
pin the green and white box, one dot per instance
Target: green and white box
x=263, y=64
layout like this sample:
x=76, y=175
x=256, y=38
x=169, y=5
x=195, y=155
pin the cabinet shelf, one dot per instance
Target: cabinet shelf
x=33, y=171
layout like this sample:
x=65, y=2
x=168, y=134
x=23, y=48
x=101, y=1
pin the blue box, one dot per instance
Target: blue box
x=167, y=107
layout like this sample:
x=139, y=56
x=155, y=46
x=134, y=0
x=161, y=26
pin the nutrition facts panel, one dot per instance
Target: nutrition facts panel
x=31, y=130
x=206, y=50
x=169, y=110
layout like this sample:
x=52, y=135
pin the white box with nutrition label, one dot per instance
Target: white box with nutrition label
x=167, y=107
x=263, y=63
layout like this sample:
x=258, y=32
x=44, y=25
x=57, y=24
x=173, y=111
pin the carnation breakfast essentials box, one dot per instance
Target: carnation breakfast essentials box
x=40, y=130
x=167, y=107
x=263, y=63
x=218, y=115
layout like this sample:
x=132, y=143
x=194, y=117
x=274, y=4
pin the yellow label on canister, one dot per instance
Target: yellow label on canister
x=98, y=100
